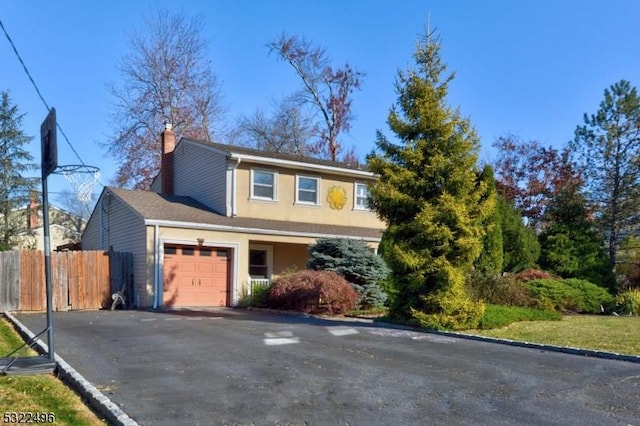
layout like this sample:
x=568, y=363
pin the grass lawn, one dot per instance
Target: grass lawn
x=41, y=393
x=606, y=333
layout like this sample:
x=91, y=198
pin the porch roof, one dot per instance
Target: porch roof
x=186, y=210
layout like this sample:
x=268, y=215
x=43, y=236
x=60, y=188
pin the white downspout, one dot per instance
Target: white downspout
x=156, y=266
x=234, y=188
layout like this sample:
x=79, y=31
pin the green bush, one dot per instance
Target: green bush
x=499, y=290
x=628, y=302
x=312, y=292
x=356, y=263
x=496, y=316
x=570, y=295
x=449, y=309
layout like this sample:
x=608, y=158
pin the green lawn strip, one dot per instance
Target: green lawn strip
x=605, y=333
x=40, y=393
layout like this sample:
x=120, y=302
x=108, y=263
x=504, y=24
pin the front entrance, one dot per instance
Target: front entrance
x=196, y=276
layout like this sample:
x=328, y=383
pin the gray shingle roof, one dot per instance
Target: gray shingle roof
x=162, y=207
x=278, y=155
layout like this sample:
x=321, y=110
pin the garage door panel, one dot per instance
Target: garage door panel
x=196, y=277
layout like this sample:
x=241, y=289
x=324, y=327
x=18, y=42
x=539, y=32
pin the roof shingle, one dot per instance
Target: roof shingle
x=186, y=210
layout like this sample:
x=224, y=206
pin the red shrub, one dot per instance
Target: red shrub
x=313, y=292
x=534, y=274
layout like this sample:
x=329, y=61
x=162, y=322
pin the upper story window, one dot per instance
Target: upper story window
x=263, y=184
x=361, y=197
x=307, y=189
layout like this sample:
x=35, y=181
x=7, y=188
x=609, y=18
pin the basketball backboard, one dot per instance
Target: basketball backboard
x=49, y=144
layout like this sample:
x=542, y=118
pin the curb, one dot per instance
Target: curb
x=545, y=347
x=539, y=346
x=94, y=398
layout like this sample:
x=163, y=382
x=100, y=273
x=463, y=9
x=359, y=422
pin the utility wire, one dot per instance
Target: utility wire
x=64, y=135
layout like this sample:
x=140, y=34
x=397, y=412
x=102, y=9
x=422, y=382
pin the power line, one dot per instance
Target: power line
x=64, y=135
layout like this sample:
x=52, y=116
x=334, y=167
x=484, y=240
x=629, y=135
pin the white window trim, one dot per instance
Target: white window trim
x=275, y=185
x=355, y=198
x=269, y=250
x=307, y=203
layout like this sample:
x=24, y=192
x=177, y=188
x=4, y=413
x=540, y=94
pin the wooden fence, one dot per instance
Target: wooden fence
x=79, y=279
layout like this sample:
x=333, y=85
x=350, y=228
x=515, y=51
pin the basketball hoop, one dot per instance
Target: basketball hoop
x=82, y=178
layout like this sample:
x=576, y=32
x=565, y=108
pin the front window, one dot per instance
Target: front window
x=263, y=185
x=307, y=190
x=258, y=263
x=362, y=197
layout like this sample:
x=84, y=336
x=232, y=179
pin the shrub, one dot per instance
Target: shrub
x=499, y=290
x=496, y=316
x=356, y=263
x=534, y=274
x=449, y=308
x=628, y=302
x=571, y=294
x=313, y=292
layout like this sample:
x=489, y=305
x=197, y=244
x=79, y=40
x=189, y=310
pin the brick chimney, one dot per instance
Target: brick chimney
x=168, y=141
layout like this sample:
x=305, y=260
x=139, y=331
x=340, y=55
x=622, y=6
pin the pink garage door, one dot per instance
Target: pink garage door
x=196, y=276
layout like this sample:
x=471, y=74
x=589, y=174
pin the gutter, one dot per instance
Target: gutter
x=301, y=165
x=234, y=187
x=260, y=231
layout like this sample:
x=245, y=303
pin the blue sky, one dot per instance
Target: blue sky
x=527, y=67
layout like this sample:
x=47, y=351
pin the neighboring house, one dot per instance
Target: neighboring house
x=65, y=228
x=219, y=217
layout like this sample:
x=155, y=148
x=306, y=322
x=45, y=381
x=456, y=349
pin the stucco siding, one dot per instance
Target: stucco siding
x=200, y=173
x=286, y=207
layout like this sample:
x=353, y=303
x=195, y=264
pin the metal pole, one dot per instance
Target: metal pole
x=47, y=265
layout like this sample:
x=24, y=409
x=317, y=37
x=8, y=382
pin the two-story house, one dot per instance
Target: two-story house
x=219, y=216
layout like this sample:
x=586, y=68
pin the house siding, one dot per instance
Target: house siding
x=124, y=231
x=285, y=206
x=202, y=175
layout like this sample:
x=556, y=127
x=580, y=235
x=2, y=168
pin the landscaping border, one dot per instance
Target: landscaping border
x=68, y=375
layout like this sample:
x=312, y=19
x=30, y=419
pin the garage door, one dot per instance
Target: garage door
x=196, y=276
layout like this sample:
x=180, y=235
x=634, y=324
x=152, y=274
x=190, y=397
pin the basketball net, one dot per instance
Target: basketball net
x=83, y=179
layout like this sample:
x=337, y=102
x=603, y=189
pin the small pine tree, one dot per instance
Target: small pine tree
x=430, y=197
x=570, y=245
x=520, y=245
x=15, y=160
x=356, y=263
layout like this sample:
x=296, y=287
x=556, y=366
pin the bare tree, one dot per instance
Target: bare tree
x=166, y=77
x=325, y=89
x=73, y=216
x=530, y=175
x=286, y=130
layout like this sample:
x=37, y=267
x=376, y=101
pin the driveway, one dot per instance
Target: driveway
x=242, y=368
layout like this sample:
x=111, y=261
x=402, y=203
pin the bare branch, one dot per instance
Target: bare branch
x=166, y=77
x=326, y=90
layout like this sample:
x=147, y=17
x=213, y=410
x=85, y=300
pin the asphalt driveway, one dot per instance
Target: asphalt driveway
x=241, y=368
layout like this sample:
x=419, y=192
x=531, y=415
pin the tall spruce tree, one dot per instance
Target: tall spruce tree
x=15, y=161
x=430, y=196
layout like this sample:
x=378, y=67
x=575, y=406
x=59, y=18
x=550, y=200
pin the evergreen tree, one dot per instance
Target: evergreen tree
x=520, y=245
x=607, y=148
x=356, y=263
x=570, y=245
x=491, y=260
x=429, y=195
x=15, y=160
